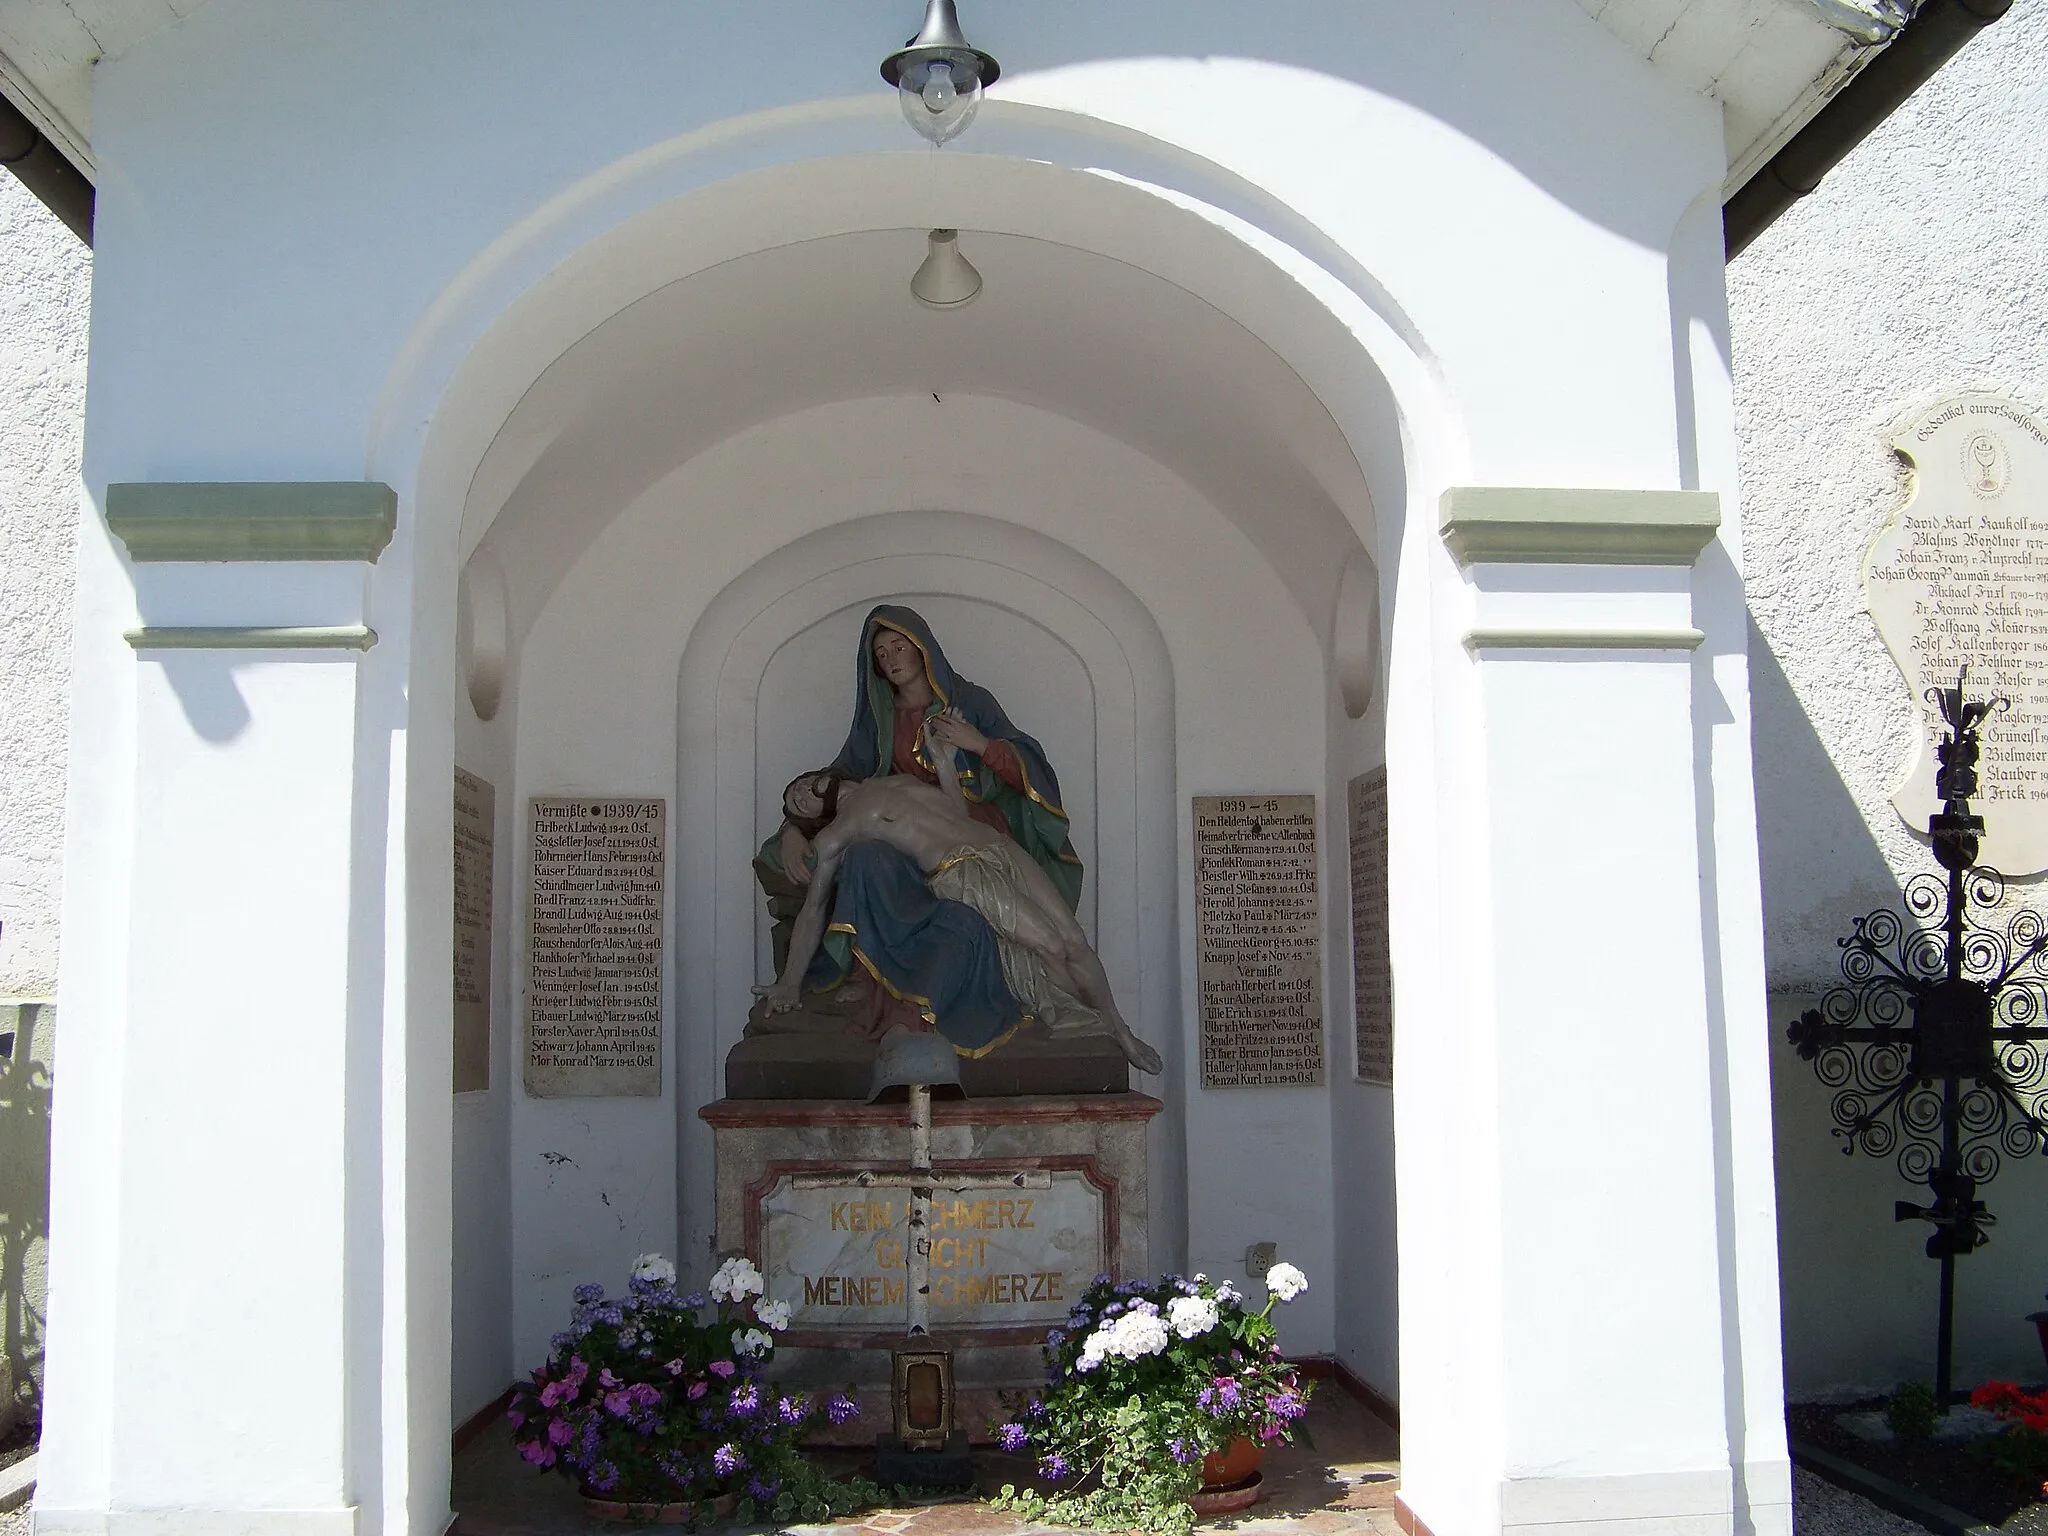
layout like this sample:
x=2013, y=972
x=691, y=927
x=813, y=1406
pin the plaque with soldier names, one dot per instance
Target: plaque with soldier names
x=475, y=844
x=1959, y=576
x=593, y=990
x=1372, y=970
x=1258, y=941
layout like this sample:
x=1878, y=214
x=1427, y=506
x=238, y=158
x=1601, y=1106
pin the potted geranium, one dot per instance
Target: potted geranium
x=1154, y=1388
x=654, y=1403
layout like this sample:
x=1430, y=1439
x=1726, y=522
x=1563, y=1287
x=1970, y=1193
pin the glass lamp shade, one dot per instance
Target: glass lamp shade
x=939, y=97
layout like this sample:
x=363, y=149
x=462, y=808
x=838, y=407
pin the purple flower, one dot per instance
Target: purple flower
x=694, y=1300
x=727, y=1459
x=1054, y=1339
x=1053, y=1468
x=840, y=1408
x=1013, y=1438
x=588, y=1292
x=761, y=1492
x=1145, y=1307
x=1037, y=1410
x=561, y=1343
x=1113, y=1309
x=746, y=1401
x=604, y=1477
x=611, y=1317
x=1101, y=1279
x=1182, y=1452
x=1286, y=1406
x=793, y=1410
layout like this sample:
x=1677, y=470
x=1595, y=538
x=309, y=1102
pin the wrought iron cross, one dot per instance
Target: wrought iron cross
x=1932, y=1002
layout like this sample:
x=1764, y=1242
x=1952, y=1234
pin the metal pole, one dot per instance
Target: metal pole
x=917, y=1294
x=1944, y=1337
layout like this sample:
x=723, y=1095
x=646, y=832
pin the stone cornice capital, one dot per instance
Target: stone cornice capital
x=1518, y=525
x=253, y=519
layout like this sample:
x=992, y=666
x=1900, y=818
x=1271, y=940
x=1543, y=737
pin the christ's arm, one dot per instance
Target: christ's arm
x=810, y=925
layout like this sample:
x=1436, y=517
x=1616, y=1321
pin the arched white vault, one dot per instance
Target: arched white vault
x=687, y=406
x=1164, y=432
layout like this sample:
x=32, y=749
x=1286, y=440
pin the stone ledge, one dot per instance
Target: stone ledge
x=253, y=520
x=1516, y=525
x=753, y=1114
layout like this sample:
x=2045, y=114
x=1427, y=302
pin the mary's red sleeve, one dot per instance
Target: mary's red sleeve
x=1002, y=761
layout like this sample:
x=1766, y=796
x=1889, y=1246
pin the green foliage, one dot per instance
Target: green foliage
x=1144, y=1382
x=1911, y=1412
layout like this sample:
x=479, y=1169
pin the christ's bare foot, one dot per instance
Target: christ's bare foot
x=1136, y=1051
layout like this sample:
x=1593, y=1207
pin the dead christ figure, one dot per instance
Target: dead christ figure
x=1046, y=958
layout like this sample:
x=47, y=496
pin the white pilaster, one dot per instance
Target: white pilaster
x=1592, y=1006
x=215, y=1343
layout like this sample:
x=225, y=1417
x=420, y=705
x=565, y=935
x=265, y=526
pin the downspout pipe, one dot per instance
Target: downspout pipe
x=41, y=167
x=1923, y=45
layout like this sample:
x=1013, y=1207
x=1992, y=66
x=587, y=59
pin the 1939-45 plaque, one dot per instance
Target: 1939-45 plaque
x=593, y=993
x=1258, y=941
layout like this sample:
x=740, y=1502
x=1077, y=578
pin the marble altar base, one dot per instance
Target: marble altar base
x=1007, y=1262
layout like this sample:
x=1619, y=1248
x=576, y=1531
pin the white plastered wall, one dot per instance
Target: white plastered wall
x=1913, y=273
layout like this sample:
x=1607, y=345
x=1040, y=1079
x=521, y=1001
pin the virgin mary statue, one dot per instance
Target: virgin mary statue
x=930, y=959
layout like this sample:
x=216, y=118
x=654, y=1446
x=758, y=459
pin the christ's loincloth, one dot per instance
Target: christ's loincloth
x=986, y=878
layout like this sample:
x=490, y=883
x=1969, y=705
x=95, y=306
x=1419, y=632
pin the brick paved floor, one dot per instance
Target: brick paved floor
x=1344, y=1487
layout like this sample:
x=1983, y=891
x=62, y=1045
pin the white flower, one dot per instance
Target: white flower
x=652, y=1266
x=736, y=1280
x=775, y=1314
x=1093, y=1349
x=1131, y=1336
x=752, y=1342
x=1285, y=1281
x=1192, y=1316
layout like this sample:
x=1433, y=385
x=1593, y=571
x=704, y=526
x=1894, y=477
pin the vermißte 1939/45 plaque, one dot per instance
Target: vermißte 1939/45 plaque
x=1259, y=953
x=593, y=947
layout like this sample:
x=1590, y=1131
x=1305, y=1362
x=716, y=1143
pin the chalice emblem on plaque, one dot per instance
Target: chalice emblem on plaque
x=1984, y=464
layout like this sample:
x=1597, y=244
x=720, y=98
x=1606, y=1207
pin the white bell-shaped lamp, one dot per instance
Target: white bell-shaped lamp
x=947, y=279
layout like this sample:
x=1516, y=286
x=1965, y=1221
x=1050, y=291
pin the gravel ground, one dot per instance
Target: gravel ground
x=17, y=1522
x=1819, y=1508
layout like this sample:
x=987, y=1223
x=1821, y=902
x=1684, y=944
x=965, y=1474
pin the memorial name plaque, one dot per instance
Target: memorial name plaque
x=1960, y=575
x=835, y=1252
x=1259, y=941
x=475, y=812
x=1372, y=970
x=593, y=991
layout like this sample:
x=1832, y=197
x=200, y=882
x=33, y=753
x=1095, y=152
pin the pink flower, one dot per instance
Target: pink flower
x=675, y=1367
x=556, y=1393
x=723, y=1369
x=697, y=1390
x=605, y=1378
x=560, y=1432
x=517, y=1418
x=539, y=1452
x=579, y=1371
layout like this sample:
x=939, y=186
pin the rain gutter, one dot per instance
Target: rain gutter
x=1934, y=35
x=42, y=168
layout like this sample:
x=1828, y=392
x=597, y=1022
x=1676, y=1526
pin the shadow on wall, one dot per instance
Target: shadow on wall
x=27, y=1031
x=1857, y=1289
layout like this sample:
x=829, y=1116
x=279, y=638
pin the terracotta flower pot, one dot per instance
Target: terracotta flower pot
x=1227, y=1468
x=650, y=1512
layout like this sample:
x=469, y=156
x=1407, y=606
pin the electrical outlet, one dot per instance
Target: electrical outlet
x=1259, y=1258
